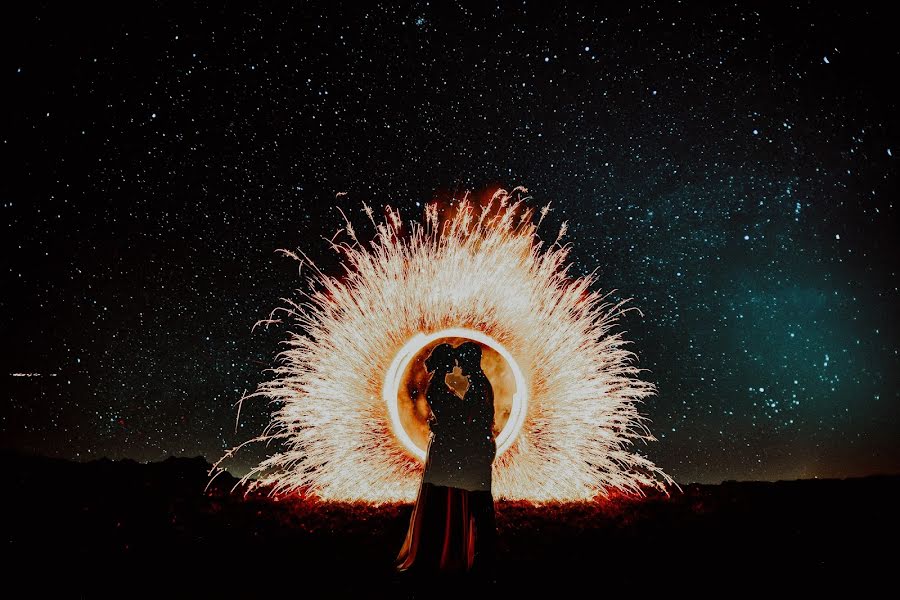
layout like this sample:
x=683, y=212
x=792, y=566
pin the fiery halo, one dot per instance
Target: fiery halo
x=390, y=389
x=482, y=273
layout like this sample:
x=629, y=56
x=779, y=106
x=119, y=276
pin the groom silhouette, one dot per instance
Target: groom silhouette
x=481, y=449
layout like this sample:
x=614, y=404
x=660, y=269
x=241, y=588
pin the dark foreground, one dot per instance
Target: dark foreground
x=125, y=529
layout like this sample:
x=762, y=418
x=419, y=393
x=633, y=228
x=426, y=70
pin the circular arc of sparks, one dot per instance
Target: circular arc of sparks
x=392, y=381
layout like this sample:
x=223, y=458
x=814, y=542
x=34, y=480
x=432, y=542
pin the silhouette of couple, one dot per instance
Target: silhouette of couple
x=452, y=526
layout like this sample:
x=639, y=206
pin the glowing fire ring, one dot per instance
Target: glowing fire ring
x=391, y=387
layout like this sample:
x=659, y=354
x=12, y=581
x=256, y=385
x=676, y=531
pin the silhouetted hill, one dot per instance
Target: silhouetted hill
x=155, y=526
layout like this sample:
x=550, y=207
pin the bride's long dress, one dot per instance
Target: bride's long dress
x=451, y=520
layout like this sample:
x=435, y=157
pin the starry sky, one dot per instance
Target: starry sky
x=732, y=169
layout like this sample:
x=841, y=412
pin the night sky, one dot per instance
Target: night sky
x=732, y=169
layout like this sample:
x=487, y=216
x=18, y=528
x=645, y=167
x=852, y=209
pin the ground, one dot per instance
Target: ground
x=102, y=525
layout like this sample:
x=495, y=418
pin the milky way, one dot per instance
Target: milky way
x=732, y=171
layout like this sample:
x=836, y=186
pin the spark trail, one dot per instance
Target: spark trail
x=482, y=268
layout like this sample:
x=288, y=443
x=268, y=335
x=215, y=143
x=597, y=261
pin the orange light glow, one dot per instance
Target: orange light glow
x=348, y=422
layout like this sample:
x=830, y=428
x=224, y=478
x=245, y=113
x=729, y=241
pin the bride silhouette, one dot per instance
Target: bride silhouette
x=452, y=526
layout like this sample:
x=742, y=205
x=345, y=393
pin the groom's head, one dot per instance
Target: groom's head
x=468, y=356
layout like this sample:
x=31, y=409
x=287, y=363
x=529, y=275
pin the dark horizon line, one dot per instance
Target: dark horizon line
x=18, y=452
